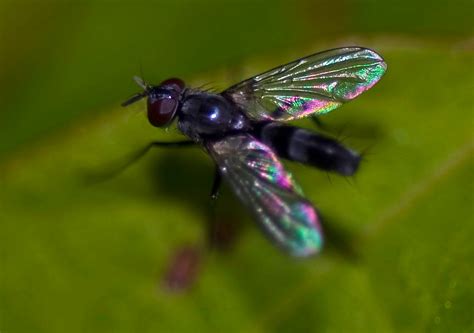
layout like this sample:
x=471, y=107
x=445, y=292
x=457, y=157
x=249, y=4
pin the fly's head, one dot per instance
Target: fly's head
x=162, y=100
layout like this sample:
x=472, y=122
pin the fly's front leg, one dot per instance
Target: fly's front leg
x=116, y=170
x=136, y=157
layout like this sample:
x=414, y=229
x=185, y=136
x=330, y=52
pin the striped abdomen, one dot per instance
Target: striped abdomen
x=304, y=146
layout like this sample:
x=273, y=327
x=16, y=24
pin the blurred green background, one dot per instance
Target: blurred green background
x=80, y=257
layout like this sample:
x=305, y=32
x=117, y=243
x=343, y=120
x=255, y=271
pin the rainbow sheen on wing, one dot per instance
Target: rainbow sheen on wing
x=313, y=85
x=270, y=192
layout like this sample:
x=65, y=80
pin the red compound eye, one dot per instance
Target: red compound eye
x=161, y=110
x=163, y=101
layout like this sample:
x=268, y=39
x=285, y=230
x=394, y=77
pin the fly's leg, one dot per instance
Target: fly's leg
x=216, y=184
x=212, y=222
x=214, y=227
x=97, y=178
x=184, y=143
x=223, y=228
x=136, y=157
x=317, y=121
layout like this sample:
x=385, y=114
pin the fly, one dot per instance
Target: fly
x=243, y=129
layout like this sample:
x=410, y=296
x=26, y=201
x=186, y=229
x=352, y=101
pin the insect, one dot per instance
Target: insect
x=243, y=129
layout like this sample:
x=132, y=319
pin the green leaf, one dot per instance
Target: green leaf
x=90, y=257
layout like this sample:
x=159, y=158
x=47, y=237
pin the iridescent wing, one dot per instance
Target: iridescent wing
x=270, y=193
x=313, y=85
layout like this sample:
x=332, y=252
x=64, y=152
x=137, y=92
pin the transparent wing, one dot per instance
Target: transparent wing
x=260, y=181
x=316, y=84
